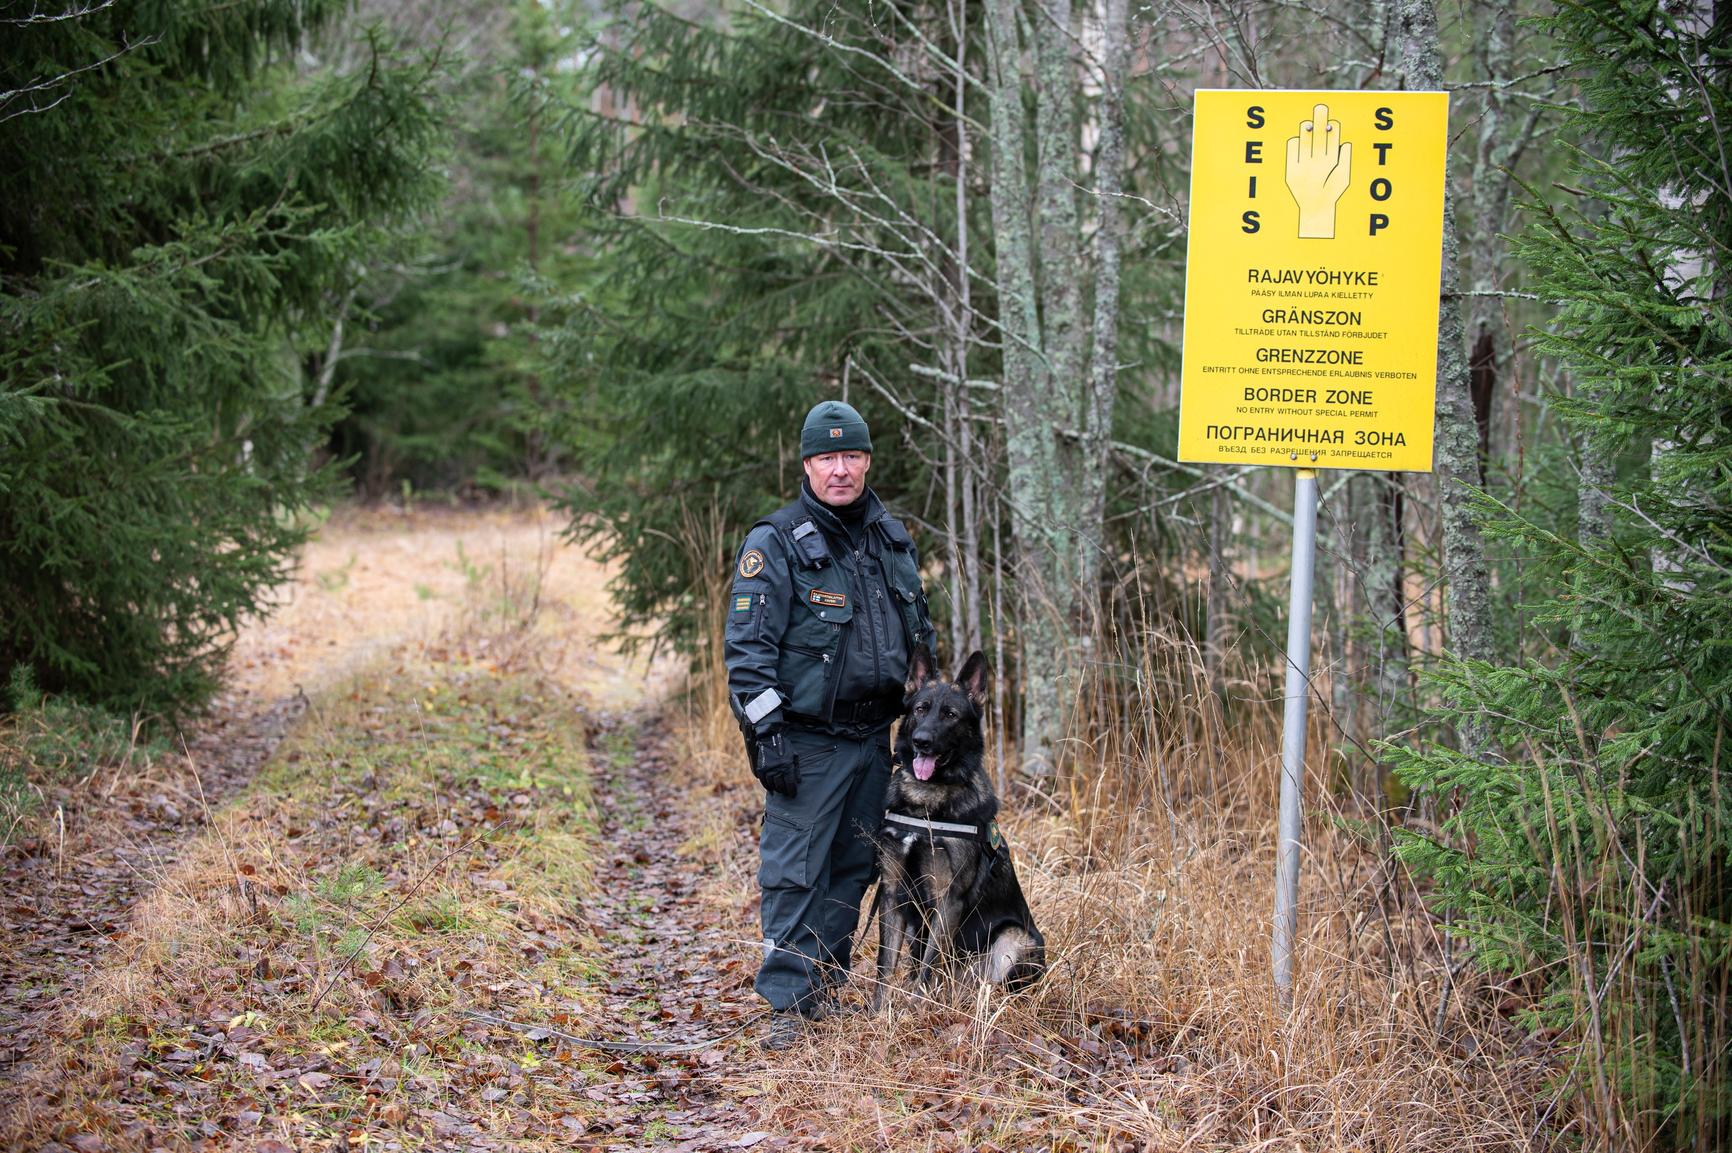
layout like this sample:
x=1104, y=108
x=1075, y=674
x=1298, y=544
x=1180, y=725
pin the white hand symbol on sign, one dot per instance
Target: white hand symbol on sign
x=1318, y=168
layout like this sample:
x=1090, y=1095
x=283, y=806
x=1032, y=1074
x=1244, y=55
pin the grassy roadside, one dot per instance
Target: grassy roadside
x=419, y=845
x=48, y=741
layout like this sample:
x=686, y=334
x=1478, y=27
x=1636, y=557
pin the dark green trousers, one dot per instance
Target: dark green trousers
x=816, y=858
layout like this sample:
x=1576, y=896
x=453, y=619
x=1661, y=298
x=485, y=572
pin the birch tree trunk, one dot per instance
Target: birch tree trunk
x=1695, y=20
x=1593, y=517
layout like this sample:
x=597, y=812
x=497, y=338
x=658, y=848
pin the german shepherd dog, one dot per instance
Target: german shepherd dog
x=948, y=890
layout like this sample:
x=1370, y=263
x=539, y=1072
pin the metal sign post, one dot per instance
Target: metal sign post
x=1293, y=730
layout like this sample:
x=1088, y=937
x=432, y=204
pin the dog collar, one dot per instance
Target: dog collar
x=935, y=826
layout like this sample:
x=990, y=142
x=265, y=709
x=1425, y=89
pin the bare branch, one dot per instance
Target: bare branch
x=939, y=374
x=1134, y=453
x=333, y=351
x=37, y=86
x=37, y=16
x=818, y=239
x=412, y=355
x=1511, y=294
x=1549, y=70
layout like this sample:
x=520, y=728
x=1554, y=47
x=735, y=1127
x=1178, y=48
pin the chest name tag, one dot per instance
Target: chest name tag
x=828, y=600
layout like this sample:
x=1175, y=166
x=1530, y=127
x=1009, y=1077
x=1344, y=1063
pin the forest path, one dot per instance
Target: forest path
x=372, y=582
x=646, y=952
x=675, y=964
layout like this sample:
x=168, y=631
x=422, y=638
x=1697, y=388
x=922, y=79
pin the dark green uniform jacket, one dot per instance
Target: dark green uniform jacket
x=827, y=619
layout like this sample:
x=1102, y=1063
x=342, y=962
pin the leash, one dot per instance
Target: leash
x=877, y=899
x=653, y=1048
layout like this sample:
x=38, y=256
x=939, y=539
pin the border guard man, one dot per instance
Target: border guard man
x=825, y=612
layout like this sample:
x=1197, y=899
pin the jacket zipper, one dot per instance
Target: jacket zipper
x=861, y=585
x=835, y=675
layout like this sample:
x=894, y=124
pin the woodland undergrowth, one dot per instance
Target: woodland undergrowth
x=1151, y=876
x=421, y=843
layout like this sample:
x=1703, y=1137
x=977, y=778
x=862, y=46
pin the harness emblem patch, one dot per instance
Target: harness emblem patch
x=752, y=563
x=743, y=604
x=828, y=600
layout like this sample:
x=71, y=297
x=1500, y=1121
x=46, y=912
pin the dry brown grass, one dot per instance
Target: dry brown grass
x=417, y=848
x=233, y=1006
x=1157, y=1026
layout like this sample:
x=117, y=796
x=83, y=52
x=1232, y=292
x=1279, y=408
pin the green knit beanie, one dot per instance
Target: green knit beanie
x=832, y=426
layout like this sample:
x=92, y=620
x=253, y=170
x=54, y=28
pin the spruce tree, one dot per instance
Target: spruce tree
x=768, y=212
x=179, y=211
x=1589, y=852
x=444, y=386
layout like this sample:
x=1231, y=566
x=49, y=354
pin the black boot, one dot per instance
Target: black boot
x=787, y=1027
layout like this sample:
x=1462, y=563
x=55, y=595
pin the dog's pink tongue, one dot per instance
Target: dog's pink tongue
x=924, y=767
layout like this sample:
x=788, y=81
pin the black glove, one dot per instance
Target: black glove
x=776, y=768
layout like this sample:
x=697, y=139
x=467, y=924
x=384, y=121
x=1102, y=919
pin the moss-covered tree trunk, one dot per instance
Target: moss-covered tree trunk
x=1031, y=448
x=1057, y=411
x=1468, y=584
x=1102, y=387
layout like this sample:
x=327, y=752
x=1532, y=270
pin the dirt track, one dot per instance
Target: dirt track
x=376, y=587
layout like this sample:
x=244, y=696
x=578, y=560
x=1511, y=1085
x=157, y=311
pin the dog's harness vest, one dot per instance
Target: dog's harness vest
x=991, y=842
x=992, y=839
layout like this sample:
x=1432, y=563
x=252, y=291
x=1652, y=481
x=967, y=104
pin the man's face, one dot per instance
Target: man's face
x=838, y=477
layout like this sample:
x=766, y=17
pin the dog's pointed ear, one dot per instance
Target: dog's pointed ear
x=974, y=678
x=920, y=671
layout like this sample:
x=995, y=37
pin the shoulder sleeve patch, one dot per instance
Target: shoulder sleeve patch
x=751, y=563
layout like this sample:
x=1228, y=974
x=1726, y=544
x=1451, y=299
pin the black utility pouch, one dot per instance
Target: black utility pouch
x=814, y=550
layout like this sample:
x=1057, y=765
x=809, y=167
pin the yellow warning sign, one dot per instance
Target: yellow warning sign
x=1311, y=285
